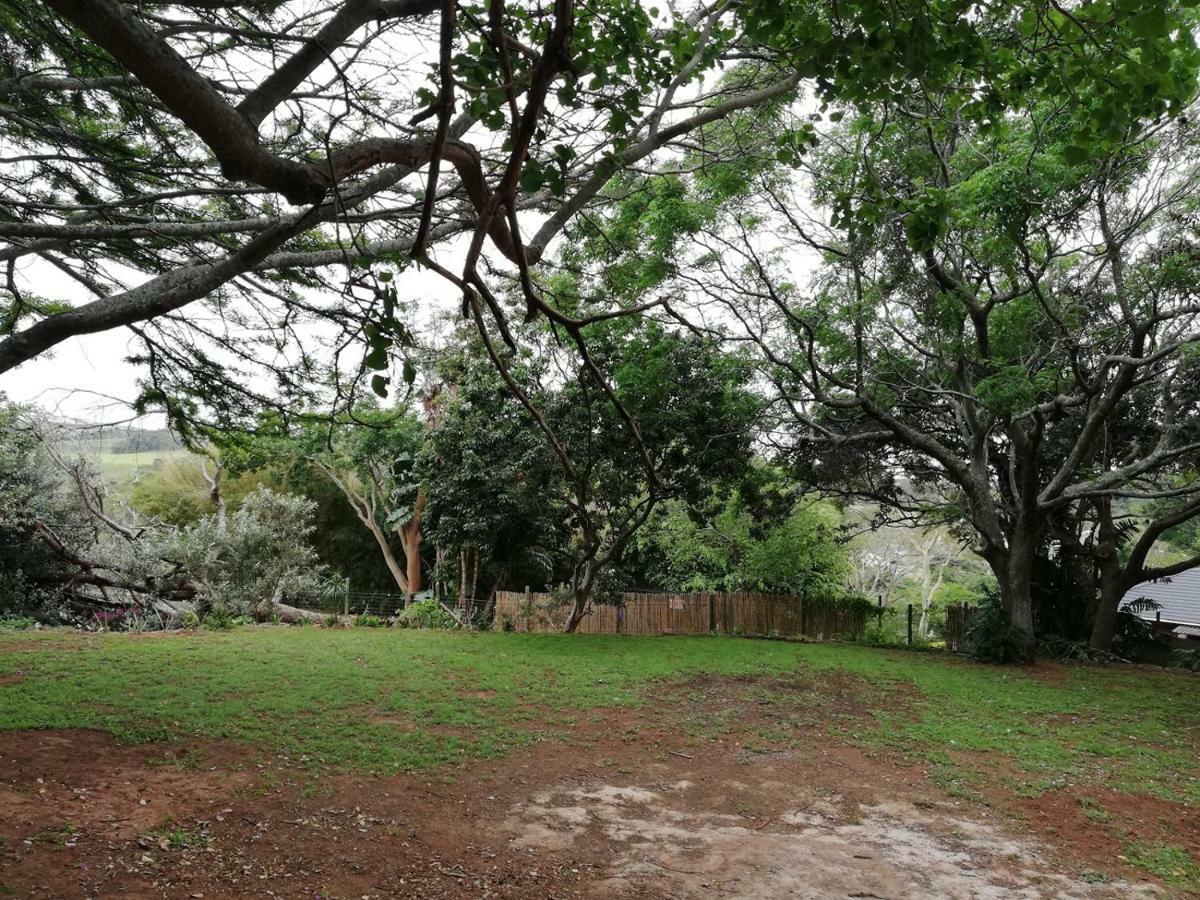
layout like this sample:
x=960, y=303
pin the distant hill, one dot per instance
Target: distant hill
x=139, y=441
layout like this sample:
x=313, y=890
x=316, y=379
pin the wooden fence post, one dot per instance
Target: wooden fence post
x=910, y=624
x=346, y=600
x=528, y=606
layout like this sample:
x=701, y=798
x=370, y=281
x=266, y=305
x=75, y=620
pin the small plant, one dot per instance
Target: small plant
x=219, y=618
x=332, y=621
x=16, y=623
x=426, y=614
x=1063, y=650
x=506, y=623
x=1186, y=659
x=169, y=838
x=189, y=619
x=366, y=620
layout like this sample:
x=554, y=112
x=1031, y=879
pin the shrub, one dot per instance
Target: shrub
x=1186, y=659
x=262, y=553
x=992, y=639
x=16, y=623
x=368, y=621
x=1063, y=650
x=219, y=618
x=426, y=614
x=189, y=619
x=1133, y=634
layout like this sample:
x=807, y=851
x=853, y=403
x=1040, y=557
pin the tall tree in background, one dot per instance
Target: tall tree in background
x=369, y=456
x=992, y=297
x=494, y=488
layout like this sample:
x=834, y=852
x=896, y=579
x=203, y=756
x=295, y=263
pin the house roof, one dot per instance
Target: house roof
x=1178, y=597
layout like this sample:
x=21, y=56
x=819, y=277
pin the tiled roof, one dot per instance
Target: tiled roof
x=1178, y=597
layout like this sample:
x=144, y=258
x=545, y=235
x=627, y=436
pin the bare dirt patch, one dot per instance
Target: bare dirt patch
x=645, y=802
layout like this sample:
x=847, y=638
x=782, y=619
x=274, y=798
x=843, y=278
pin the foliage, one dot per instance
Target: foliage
x=1186, y=659
x=365, y=620
x=11, y=622
x=29, y=492
x=261, y=554
x=494, y=487
x=1064, y=650
x=738, y=548
x=176, y=493
x=426, y=614
x=991, y=637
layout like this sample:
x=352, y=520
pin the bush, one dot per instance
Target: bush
x=262, y=553
x=219, y=618
x=189, y=619
x=1134, y=635
x=1186, y=659
x=368, y=621
x=1063, y=650
x=16, y=623
x=992, y=639
x=426, y=614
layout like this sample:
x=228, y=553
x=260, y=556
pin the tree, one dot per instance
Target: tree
x=368, y=455
x=732, y=549
x=991, y=299
x=492, y=485
x=676, y=420
x=248, y=154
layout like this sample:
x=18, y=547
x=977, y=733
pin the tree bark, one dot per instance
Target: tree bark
x=1013, y=568
x=581, y=596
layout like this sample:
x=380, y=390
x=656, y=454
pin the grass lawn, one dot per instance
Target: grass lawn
x=385, y=700
x=120, y=468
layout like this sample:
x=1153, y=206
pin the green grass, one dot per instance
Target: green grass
x=1172, y=864
x=120, y=468
x=383, y=700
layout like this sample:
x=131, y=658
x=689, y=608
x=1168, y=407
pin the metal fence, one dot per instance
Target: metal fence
x=361, y=603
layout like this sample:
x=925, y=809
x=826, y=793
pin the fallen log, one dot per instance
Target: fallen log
x=274, y=611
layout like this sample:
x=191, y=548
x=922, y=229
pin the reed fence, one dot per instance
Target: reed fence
x=742, y=612
x=958, y=620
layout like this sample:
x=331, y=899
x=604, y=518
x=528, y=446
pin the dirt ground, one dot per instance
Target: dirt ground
x=625, y=808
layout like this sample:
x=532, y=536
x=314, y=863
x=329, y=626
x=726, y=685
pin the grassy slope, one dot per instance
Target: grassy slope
x=120, y=468
x=386, y=700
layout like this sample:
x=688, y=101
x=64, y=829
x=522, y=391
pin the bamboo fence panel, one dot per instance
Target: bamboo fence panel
x=738, y=612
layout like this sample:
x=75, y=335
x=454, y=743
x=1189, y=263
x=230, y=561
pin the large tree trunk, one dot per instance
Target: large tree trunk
x=1112, y=581
x=269, y=611
x=385, y=547
x=1104, y=628
x=1017, y=596
x=1013, y=568
x=411, y=540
